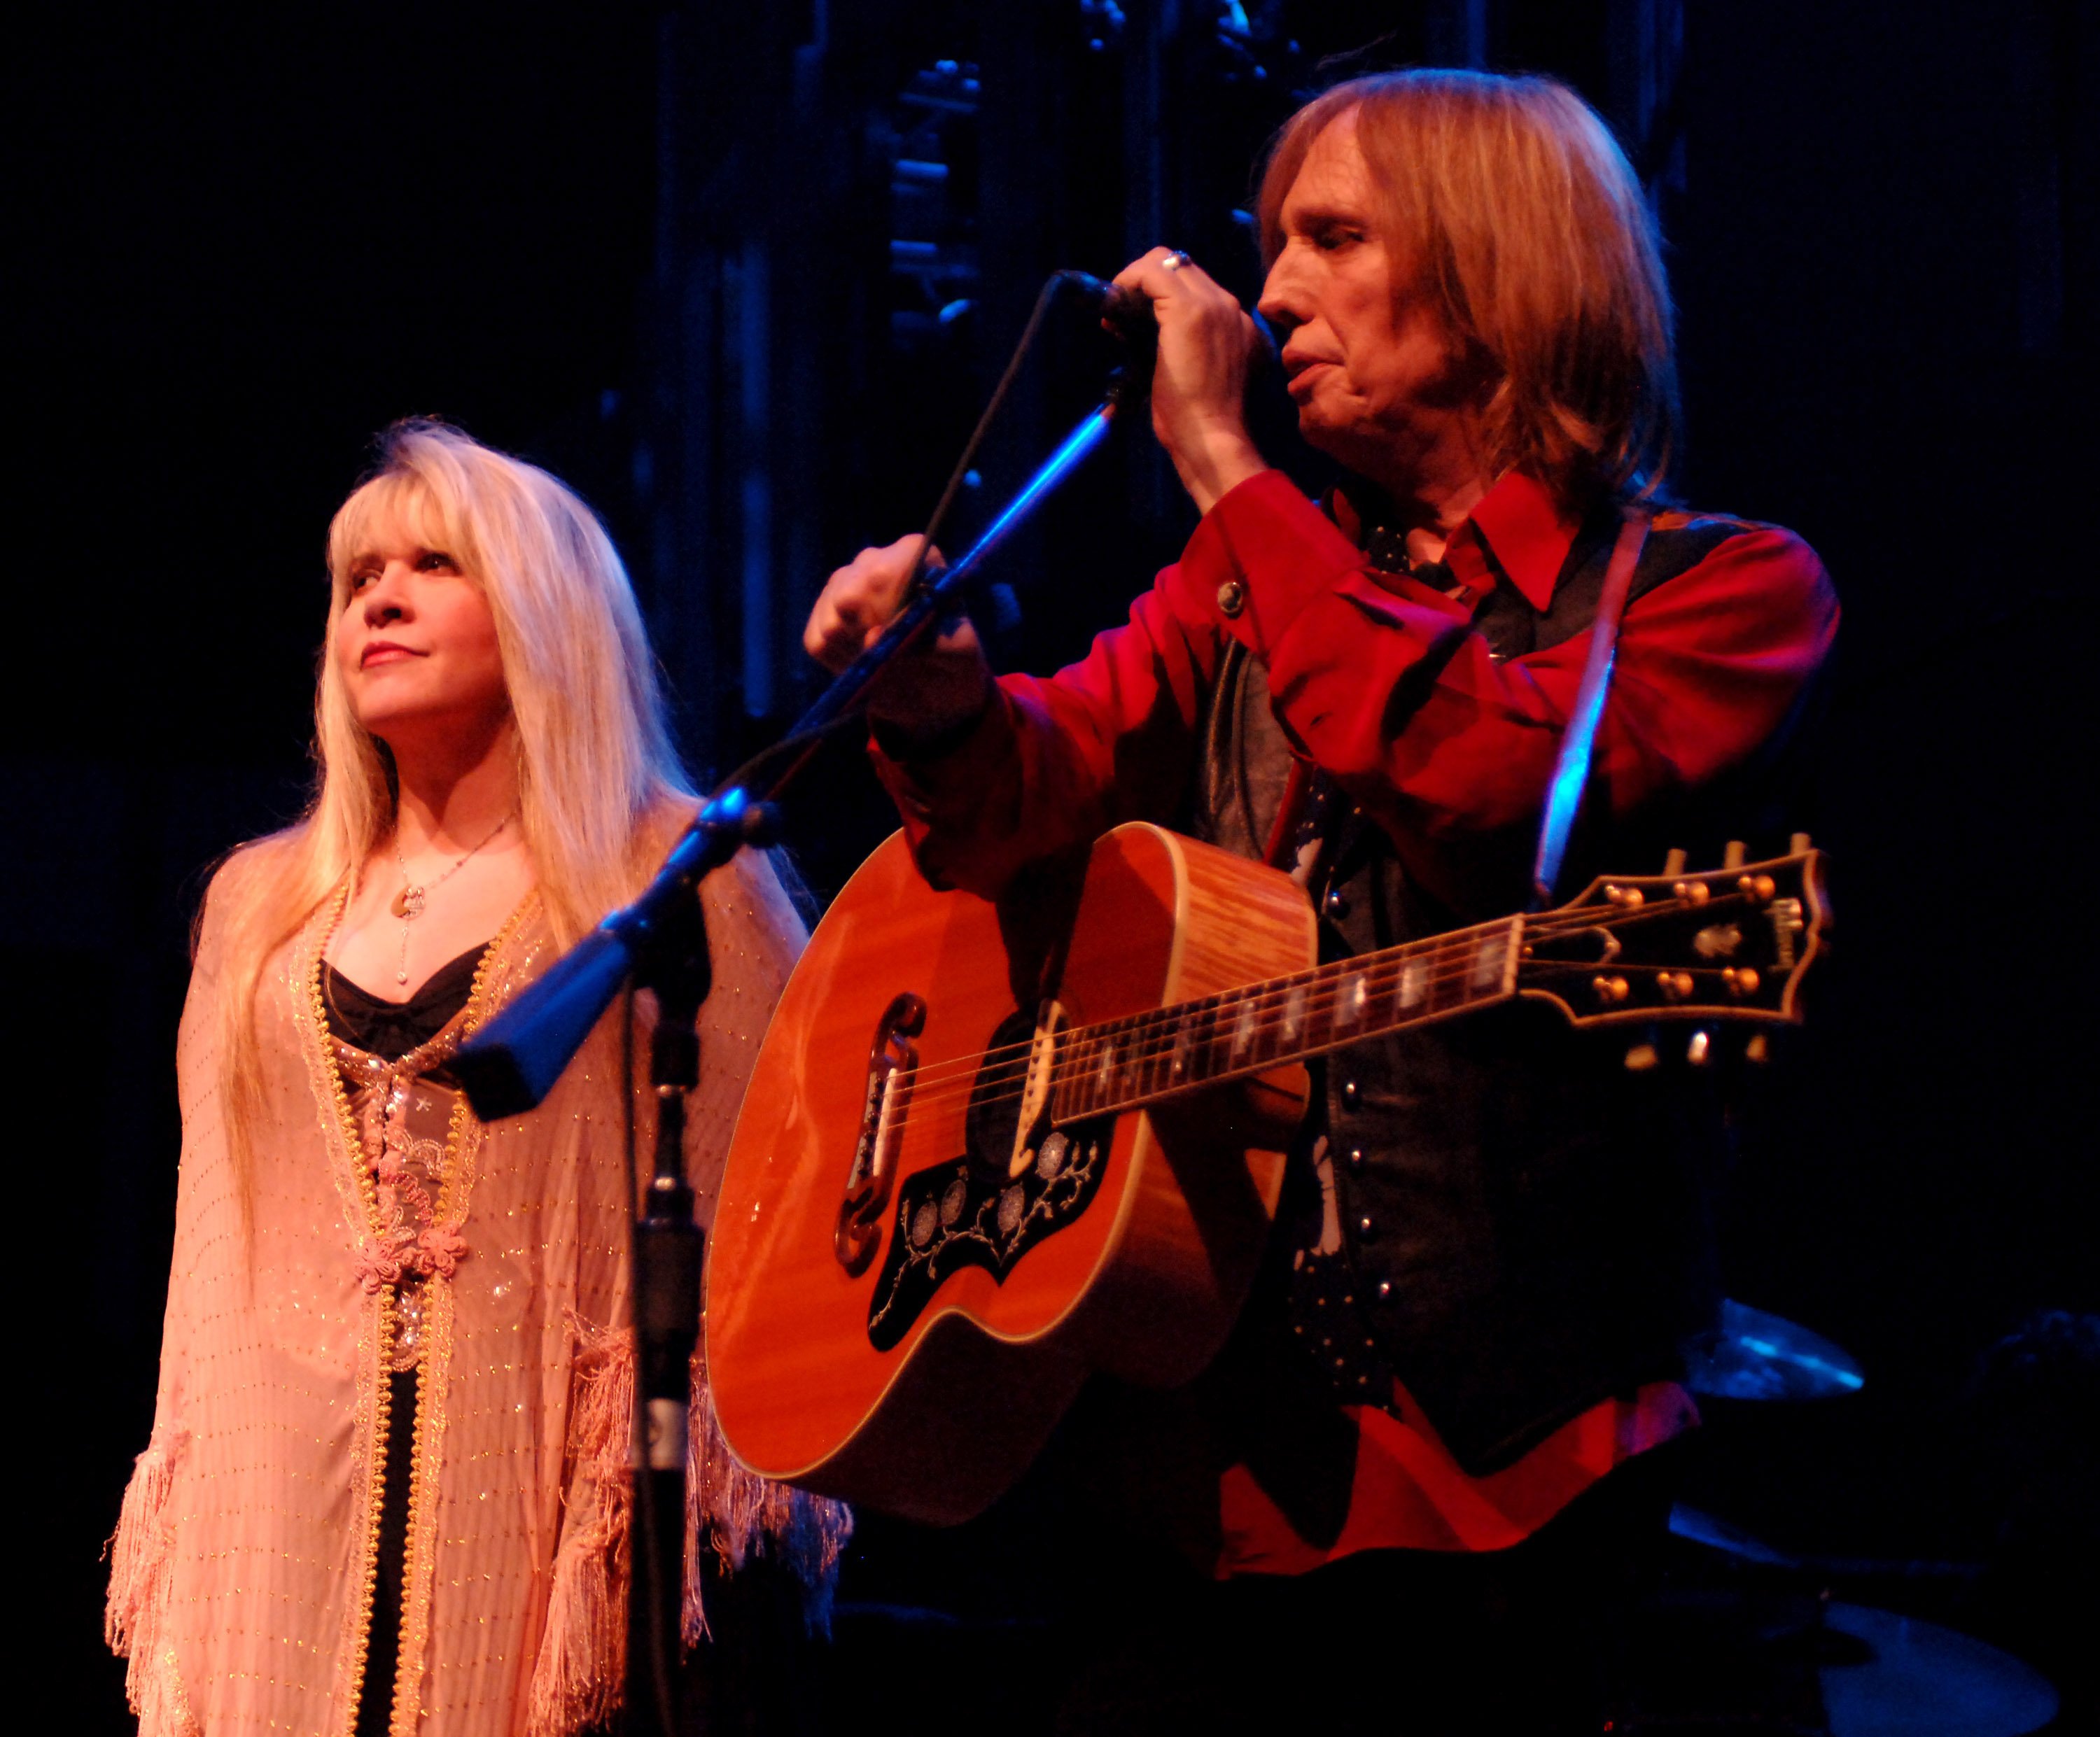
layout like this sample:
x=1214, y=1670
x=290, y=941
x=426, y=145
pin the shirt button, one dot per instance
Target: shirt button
x=1355, y=1160
x=1338, y=903
x=1367, y=1229
x=1385, y=1288
x=1349, y=1093
x=1231, y=597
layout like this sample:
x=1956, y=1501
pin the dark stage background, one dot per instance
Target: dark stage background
x=743, y=274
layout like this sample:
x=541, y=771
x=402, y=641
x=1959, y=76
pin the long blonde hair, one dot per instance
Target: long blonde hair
x=1523, y=220
x=596, y=769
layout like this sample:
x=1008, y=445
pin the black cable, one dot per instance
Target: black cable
x=805, y=741
x=802, y=743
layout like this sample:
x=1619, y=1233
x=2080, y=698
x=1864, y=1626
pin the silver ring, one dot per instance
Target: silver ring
x=1175, y=260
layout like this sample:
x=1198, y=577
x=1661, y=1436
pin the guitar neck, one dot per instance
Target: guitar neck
x=1127, y=1063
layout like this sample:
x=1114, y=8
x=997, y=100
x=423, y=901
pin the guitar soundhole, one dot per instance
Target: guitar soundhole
x=990, y=1206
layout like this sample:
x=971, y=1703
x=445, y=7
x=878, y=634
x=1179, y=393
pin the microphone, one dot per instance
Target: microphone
x=1125, y=314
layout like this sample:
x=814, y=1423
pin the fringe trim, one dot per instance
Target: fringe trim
x=737, y=1512
x=579, y=1676
x=579, y=1679
x=141, y=1575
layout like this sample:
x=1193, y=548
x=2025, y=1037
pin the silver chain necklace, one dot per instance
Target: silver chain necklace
x=409, y=902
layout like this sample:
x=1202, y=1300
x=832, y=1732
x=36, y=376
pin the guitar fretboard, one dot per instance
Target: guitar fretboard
x=1125, y=1064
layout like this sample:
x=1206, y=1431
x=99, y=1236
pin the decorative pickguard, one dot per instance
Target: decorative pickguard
x=961, y=1214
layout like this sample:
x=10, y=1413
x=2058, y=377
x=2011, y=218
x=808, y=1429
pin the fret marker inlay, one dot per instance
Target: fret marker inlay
x=1414, y=982
x=1488, y=959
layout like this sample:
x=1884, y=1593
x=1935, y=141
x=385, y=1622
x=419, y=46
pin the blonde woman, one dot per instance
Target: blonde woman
x=387, y=1486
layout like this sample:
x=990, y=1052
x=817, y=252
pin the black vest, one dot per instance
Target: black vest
x=1525, y=1222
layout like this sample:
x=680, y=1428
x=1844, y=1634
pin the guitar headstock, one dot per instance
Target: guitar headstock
x=1731, y=943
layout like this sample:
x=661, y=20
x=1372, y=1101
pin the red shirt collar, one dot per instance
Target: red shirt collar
x=1517, y=532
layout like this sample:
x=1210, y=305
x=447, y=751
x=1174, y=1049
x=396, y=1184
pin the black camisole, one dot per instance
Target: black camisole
x=390, y=1029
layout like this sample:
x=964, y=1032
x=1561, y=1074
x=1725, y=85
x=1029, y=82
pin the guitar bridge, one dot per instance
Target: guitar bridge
x=892, y=1063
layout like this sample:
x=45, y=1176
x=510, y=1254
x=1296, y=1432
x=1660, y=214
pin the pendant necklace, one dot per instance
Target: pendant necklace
x=409, y=903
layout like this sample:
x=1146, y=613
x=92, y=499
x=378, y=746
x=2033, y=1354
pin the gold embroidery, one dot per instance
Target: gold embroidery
x=434, y=1375
x=177, y=1694
x=376, y=1400
x=353, y=1180
x=344, y=1145
x=351, y=1170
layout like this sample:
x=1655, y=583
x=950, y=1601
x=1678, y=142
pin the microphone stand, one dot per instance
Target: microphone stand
x=660, y=942
x=666, y=1273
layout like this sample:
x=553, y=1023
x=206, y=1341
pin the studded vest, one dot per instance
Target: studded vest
x=1493, y=1208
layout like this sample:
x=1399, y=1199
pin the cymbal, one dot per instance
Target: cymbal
x=1755, y=1356
x=1700, y=1526
x=1917, y=1679
x=1753, y=1656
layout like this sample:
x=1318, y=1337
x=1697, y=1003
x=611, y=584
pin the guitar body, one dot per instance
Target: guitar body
x=918, y=1369
x=990, y=1148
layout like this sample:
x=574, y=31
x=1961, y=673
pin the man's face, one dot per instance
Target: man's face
x=1378, y=382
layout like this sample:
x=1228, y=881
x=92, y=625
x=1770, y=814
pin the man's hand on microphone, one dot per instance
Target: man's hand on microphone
x=936, y=687
x=1206, y=342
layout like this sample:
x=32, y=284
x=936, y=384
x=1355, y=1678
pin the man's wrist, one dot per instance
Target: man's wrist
x=1220, y=467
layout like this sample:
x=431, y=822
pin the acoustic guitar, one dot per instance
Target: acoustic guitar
x=988, y=1148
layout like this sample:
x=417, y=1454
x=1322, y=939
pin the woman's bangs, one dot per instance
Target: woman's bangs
x=397, y=504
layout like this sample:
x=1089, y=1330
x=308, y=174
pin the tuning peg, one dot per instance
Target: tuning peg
x=1758, y=1050
x=1673, y=864
x=1698, y=1049
x=1797, y=845
x=1640, y=1058
x=1732, y=857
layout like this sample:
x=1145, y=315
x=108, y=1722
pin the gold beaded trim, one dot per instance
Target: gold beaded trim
x=434, y=1373
x=353, y=1180
x=419, y=1556
x=353, y=1177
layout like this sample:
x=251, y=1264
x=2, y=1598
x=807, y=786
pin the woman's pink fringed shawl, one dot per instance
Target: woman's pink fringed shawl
x=241, y=1567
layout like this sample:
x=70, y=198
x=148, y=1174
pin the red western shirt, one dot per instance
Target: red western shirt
x=1709, y=665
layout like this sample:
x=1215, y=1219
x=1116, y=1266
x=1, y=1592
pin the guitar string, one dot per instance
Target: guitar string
x=1075, y=1066
x=1128, y=1093
x=1545, y=925
x=1142, y=1040
x=1156, y=1032
x=1145, y=1037
x=1267, y=1002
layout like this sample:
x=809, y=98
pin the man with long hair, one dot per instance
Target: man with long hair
x=1435, y=1428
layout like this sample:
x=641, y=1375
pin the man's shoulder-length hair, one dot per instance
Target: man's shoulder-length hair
x=1523, y=221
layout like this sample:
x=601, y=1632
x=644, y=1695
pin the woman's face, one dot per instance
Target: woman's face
x=1377, y=380
x=415, y=646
